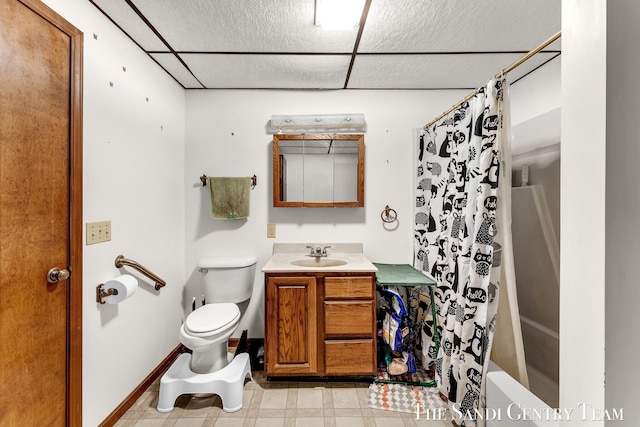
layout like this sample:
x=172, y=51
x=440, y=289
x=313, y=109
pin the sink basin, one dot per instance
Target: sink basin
x=318, y=262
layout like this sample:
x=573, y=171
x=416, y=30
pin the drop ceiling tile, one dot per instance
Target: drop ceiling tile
x=174, y=67
x=269, y=71
x=241, y=26
x=120, y=12
x=459, y=25
x=286, y=26
x=446, y=71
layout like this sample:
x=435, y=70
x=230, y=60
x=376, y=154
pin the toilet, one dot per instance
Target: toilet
x=210, y=368
x=206, y=333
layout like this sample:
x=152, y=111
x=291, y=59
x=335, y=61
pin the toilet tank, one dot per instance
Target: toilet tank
x=227, y=278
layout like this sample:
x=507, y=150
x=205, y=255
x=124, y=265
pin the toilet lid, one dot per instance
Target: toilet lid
x=211, y=317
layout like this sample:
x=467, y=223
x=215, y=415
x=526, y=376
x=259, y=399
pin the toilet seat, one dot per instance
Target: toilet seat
x=211, y=319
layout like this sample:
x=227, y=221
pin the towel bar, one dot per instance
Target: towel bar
x=122, y=261
x=254, y=181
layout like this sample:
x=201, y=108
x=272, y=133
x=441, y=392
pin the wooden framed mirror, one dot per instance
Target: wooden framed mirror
x=318, y=170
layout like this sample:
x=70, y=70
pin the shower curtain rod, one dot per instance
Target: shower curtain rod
x=510, y=68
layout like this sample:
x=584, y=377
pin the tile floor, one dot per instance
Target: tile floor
x=275, y=404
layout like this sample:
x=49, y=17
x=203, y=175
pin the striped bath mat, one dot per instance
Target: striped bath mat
x=404, y=398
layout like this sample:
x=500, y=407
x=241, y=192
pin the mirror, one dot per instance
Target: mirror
x=318, y=170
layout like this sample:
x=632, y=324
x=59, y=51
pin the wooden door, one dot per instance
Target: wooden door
x=40, y=216
x=291, y=326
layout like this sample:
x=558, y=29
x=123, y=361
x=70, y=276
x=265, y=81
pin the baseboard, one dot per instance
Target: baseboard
x=144, y=385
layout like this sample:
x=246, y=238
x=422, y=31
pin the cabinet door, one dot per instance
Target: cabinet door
x=290, y=335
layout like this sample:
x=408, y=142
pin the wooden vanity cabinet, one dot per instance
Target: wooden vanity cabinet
x=291, y=325
x=320, y=324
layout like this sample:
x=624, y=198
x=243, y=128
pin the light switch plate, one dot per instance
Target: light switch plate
x=271, y=231
x=98, y=232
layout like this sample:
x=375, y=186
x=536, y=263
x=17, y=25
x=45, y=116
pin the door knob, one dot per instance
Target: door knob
x=56, y=275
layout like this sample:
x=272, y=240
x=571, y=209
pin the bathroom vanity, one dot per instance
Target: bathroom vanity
x=320, y=312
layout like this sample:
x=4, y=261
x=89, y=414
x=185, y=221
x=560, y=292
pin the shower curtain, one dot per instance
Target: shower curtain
x=458, y=243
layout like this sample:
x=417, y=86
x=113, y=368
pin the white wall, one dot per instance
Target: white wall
x=600, y=205
x=582, y=187
x=133, y=176
x=623, y=206
x=539, y=93
x=535, y=112
x=226, y=136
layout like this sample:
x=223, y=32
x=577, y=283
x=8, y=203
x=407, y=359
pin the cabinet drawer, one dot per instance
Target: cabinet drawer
x=349, y=318
x=348, y=287
x=349, y=357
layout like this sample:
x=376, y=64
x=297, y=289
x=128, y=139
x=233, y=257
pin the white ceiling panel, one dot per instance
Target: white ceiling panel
x=244, y=26
x=120, y=12
x=459, y=25
x=434, y=71
x=269, y=71
x=275, y=44
x=174, y=67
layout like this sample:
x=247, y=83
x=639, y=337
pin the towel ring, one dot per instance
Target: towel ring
x=387, y=216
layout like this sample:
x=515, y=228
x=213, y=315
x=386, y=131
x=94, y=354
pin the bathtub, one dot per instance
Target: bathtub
x=509, y=403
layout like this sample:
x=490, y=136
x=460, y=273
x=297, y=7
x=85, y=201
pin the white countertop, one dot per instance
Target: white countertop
x=285, y=253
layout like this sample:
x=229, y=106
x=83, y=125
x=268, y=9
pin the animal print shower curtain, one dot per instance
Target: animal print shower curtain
x=456, y=241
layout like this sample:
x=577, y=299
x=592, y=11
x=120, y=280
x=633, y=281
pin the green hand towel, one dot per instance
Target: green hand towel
x=229, y=197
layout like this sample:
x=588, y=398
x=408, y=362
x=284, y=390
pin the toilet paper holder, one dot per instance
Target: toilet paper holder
x=120, y=262
x=101, y=293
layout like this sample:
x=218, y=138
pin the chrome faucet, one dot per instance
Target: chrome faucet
x=318, y=251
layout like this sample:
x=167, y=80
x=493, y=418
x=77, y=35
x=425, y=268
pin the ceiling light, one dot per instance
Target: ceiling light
x=339, y=14
x=318, y=123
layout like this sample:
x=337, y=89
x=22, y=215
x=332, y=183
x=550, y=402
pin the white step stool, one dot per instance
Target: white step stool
x=228, y=382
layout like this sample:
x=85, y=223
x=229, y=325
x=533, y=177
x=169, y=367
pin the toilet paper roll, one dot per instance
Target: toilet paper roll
x=124, y=286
